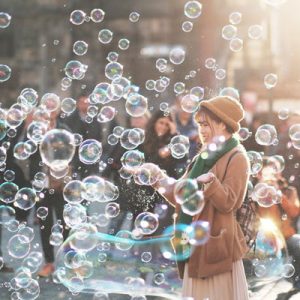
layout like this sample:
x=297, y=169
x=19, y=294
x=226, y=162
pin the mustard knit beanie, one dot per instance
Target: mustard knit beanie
x=227, y=109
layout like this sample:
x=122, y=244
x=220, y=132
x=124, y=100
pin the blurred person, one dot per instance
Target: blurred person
x=284, y=214
x=215, y=270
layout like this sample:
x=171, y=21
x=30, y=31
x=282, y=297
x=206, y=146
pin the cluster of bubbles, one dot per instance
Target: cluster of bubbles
x=266, y=135
x=78, y=17
x=211, y=64
x=179, y=146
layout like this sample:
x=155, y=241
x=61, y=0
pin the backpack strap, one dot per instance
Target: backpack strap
x=229, y=159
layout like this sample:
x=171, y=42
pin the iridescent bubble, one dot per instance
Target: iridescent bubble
x=266, y=135
x=106, y=114
x=161, y=64
x=147, y=174
x=194, y=204
x=136, y=105
x=112, y=56
x=21, y=151
x=231, y=92
x=73, y=190
x=112, y=139
x=264, y=194
x=90, y=151
x=187, y=26
x=294, y=133
x=260, y=270
x=68, y=105
x=113, y=70
x=74, y=214
x=56, y=239
x=283, y=113
x=42, y=212
x=5, y=72
x=244, y=133
x=236, y=44
x=288, y=270
x=36, y=130
x=146, y=222
x=255, y=32
x=50, y=102
x=134, y=17
x=118, y=130
x=8, y=191
x=105, y=36
x=193, y=9
x=132, y=158
x=5, y=19
x=179, y=146
x=210, y=63
x=256, y=162
x=200, y=234
x=112, y=210
x=220, y=74
x=7, y=214
x=77, y=17
x=184, y=189
x=9, y=175
x=57, y=149
x=92, y=111
x=26, y=198
x=27, y=233
x=94, y=188
x=177, y=55
x=75, y=70
x=159, y=278
x=270, y=80
x=29, y=96
x=235, y=18
x=198, y=92
x=229, y=32
x=146, y=257
x=125, y=241
x=124, y=44
x=18, y=247
x=189, y=103
x=14, y=117
x=150, y=84
x=80, y=47
x=179, y=87
x=97, y=15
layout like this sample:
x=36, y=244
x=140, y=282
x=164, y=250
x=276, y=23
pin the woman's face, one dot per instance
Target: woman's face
x=161, y=126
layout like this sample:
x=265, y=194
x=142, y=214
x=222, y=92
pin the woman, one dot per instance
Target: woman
x=215, y=269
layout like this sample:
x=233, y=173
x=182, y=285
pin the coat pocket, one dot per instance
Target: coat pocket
x=216, y=248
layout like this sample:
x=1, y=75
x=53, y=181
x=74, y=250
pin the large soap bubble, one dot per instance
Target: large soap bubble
x=57, y=149
x=90, y=151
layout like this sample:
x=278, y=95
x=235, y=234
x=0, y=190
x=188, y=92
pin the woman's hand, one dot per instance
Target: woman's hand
x=206, y=178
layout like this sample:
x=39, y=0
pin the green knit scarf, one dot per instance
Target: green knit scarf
x=201, y=166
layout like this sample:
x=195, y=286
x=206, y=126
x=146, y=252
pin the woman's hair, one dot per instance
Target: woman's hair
x=151, y=137
x=209, y=117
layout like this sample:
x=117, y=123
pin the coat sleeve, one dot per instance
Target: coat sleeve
x=229, y=194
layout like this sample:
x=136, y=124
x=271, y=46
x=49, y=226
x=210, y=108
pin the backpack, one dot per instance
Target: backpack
x=247, y=216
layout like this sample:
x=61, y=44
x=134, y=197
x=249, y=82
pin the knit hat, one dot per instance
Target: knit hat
x=228, y=109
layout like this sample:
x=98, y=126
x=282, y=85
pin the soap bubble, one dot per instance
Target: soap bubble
x=112, y=56
x=57, y=149
x=134, y=17
x=136, y=105
x=229, y=32
x=124, y=44
x=265, y=195
x=190, y=103
x=220, y=74
x=25, y=198
x=198, y=92
x=8, y=191
x=255, y=32
x=112, y=210
x=18, y=247
x=21, y=151
x=106, y=114
x=187, y=26
x=113, y=70
x=244, y=133
x=90, y=151
x=179, y=146
x=3, y=129
x=231, y=92
x=288, y=271
x=74, y=214
x=27, y=233
x=7, y=214
x=147, y=222
x=147, y=174
x=294, y=133
x=77, y=17
x=105, y=36
x=236, y=44
x=146, y=257
x=97, y=15
x=68, y=105
x=36, y=131
x=130, y=139
x=42, y=212
x=266, y=135
x=194, y=204
x=159, y=278
x=73, y=190
x=270, y=80
x=283, y=113
x=5, y=19
x=177, y=55
x=74, y=69
x=235, y=18
x=50, y=102
x=161, y=64
x=132, y=158
x=80, y=47
x=210, y=63
x=193, y=9
x=179, y=87
x=14, y=117
x=256, y=162
x=94, y=188
x=5, y=72
x=184, y=189
x=200, y=234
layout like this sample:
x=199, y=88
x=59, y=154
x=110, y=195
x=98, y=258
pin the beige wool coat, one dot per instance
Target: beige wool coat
x=222, y=198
